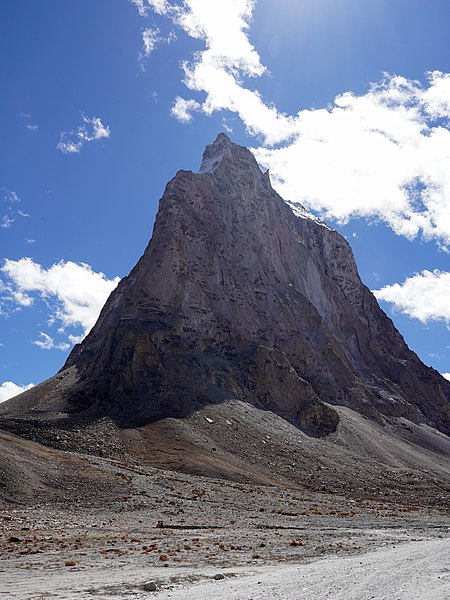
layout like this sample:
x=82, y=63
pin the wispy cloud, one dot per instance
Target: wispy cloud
x=6, y=222
x=91, y=129
x=48, y=343
x=161, y=7
x=9, y=196
x=446, y=375
x=73, y=293
x=150, y=38
x=172, y=37
x=424, y=296
x=67, y=145
x=8, y=390
x=226, y=127
x=142, y=7
x=10, y=201
x=25, y=117
x=386, y=153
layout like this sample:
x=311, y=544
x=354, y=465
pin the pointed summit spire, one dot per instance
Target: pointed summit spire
x=232, y=158
x=213, y=154
x=222, y=138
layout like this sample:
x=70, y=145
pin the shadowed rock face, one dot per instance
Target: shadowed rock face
x=236, y=297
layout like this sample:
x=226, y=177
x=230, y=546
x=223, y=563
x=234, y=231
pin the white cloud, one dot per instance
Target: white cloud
x=172, y=37
x=159, y=6
x=229, y=56
x=67, y=146
x=223, y=27
x=379, y=155
x=150, y=38
x=11, y=199
x=20, y=298
x=25, y=121
x=424, y=296
x=384, y=154
x=9, y=196
x=436, y=99
x=446, y=375
x=142, y=7
x=8, y=390
x=74, y=293
x=91, y=129
x=182, y=109
x=6, y=222
x=76, y=339
x=226, y=127
x=48, y=343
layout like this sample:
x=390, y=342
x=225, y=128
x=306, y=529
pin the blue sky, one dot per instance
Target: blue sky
x=347, y=102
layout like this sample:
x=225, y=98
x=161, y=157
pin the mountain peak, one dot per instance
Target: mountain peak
x=223, y=150
x=222, y=138
x=243, y=345
x=236, y=298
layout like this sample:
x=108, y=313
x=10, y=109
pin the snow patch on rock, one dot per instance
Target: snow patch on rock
x=300, y=211
x=210, y=164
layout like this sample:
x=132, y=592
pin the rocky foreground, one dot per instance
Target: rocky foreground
x=210, y=529
x=81, y=527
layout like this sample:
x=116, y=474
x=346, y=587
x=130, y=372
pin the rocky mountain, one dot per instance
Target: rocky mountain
x=239, y=305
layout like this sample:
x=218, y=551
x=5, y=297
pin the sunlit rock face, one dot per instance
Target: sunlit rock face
x=237, y=296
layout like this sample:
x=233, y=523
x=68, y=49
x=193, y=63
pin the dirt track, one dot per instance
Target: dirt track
x=412, y=571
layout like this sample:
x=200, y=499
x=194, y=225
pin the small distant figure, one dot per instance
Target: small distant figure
x=159, y=525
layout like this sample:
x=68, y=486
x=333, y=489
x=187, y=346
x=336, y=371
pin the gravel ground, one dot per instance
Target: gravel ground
x=411, y=571
x=80, y=526
x=414, y=570
x=250, y=534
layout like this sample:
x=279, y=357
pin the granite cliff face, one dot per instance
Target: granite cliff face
x=238, y=298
